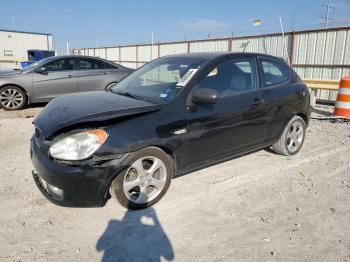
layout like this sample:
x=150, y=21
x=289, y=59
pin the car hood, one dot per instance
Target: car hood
x=96, y=106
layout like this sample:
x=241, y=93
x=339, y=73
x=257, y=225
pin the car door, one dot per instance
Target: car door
x=55, y=78
x=278, y=92
x=237, y=122
x=91, y=75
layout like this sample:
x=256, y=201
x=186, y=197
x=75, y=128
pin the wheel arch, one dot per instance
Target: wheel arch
x=107, y=87
x=300, y=114
x=167, y=150
x=304, y=117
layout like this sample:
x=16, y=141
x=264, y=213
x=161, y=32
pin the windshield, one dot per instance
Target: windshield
x=160, y=80
x=37, y=63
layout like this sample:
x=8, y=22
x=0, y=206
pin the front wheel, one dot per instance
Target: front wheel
x=292, y=138
x=12, y=98
x=146, y=179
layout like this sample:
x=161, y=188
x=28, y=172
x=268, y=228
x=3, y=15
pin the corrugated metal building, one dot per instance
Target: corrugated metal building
x=316, y=54
x=14, y=46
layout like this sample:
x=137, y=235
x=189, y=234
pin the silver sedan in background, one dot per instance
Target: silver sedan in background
x=58, y=75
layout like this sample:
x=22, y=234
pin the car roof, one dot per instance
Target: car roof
x=203, y=55
x=78, y=56
x=216, y=55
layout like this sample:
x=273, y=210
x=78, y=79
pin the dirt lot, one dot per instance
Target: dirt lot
x=260, y=207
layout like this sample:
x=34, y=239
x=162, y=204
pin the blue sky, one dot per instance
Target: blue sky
x=104, y=22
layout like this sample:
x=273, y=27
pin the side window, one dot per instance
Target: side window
x=90, y=64
x=84, y=64
x=109, y=66
x=274, y=73
x=231, y=77
x=60, y=65
x=97, y=64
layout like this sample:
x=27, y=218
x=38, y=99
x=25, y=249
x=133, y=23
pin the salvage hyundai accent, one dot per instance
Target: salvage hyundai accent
x=172, y=116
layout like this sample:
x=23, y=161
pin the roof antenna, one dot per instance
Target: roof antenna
x=284, y=40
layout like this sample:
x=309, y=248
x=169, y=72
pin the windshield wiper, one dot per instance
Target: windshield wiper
x=128, y=94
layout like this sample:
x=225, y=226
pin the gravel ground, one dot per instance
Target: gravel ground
x=259, y=207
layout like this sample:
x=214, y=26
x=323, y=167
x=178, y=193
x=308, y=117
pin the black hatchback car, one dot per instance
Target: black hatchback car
x=172, y=116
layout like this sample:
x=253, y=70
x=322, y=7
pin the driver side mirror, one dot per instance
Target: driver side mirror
x=41, y=70
x=205, y=96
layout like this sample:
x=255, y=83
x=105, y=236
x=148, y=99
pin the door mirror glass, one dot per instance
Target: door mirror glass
x=205, y=96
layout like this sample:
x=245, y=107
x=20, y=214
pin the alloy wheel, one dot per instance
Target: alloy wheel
x=295, y=136
x=11, y=98
x=145, y=179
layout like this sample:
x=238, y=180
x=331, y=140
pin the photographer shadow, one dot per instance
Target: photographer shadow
x=137, y=237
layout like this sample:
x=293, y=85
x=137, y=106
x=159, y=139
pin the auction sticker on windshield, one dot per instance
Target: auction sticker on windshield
x=186, y=78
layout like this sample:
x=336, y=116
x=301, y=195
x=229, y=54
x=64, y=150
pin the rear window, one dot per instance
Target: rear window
x=110, y=66
x=92, y=64
x=274, y=73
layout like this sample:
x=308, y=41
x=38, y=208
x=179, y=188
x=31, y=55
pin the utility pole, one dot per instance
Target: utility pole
x=13, y=22
x=152, y=43
x=293, y=21
x=326, y=18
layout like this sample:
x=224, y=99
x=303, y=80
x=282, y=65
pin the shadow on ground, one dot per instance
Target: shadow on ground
x=322, y=111
x=137, y=237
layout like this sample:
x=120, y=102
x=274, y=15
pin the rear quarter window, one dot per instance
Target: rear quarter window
x=274, y=73
x=91, y=64
x=109, y=66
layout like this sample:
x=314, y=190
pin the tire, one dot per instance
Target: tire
x=12, y=98
x=138, y=186
x=110, y=85
x=292, y=138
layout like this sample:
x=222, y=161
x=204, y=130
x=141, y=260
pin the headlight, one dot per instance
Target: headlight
x=78, y=146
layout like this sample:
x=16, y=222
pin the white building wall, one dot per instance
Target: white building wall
x=315, y=54
x=146, y=53
x=112, y=54
x=17, y=44
x=173, y=48
x=209, y=46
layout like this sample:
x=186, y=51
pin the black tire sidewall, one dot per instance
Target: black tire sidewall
x=117, y=184
x=109, y=86
x=300, y=120
x=24, y=102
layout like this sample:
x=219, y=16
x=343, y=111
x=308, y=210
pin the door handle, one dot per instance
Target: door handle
x=258, y=101
x=70, y=76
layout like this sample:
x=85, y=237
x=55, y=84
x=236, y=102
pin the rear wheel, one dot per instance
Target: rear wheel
x=146, y=179
x=12, y=98
x=109, y=86
x=292, y=138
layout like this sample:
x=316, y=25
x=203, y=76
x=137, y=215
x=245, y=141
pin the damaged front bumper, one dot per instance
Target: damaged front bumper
x=79, y=185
